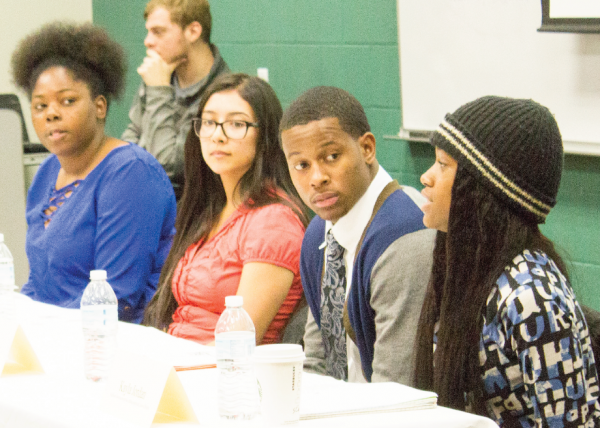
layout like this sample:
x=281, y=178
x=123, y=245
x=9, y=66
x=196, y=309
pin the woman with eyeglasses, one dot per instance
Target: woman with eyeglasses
x=240, y=222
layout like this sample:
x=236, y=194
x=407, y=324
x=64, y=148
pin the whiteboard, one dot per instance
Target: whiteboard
x=454, y=51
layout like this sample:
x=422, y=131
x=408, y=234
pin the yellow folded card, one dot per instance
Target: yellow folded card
x=143, y=391
x=16, y=353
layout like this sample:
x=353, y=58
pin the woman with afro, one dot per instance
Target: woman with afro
x=97, y=202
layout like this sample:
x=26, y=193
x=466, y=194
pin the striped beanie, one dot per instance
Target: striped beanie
x=513, y=146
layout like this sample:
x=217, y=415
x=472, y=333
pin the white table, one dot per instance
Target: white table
x=63, y=398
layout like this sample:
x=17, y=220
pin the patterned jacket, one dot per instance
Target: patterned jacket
x=537, y=363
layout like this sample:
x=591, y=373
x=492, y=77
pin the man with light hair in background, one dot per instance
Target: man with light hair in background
x=180, y=63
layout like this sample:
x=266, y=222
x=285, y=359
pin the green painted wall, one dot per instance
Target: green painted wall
x=354, y=45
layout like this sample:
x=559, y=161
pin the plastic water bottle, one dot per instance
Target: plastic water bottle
x=235, y=340
x=7, y=280
x=99, y=318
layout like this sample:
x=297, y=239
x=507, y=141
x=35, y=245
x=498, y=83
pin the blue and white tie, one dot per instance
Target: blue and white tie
x=333, y=297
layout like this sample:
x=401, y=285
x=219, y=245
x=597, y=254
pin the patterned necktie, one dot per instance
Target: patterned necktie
x=333, y=297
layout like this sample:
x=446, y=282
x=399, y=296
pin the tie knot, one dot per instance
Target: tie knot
x=333, y=246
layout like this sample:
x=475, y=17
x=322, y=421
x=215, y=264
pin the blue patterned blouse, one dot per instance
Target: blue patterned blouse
x=537, y=362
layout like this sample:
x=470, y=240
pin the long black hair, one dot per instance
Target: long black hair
x=484, y=236
x=203, y=193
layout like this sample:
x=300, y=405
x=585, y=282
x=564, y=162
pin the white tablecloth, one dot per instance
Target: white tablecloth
x=63, y=398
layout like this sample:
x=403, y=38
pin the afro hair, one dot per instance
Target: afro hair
x=85, y=49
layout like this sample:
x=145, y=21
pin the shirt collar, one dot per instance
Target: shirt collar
x=193, y=90
x=349, y=228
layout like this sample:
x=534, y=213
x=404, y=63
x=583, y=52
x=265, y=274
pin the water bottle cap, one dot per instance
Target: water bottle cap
x=234, y=301
x=1, y=238
x=98, y=275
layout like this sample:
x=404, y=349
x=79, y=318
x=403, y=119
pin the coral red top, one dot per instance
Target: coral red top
x=211, y=270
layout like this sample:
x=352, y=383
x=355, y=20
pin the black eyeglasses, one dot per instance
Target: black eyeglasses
x=234, y=129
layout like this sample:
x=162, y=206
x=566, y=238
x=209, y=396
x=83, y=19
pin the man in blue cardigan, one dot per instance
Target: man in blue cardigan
x=387, y=250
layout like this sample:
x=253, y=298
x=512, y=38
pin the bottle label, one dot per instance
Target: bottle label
x=235, y=344
x=7, y=271
x=99, y=317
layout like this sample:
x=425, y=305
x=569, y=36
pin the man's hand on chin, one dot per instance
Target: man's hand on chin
x=155, y=71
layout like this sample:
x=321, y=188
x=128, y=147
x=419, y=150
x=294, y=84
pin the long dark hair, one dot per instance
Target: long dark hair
x=483, y=237
x=203, y=193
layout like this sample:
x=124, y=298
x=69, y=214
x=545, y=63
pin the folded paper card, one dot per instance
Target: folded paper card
x=358, y=398
x=16, y=353
x=144, y=391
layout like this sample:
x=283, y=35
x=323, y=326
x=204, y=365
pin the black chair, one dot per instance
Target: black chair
x=11, y=101
x=294, y=331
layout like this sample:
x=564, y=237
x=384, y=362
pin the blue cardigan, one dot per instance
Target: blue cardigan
x=120, y=218
x=396, y=217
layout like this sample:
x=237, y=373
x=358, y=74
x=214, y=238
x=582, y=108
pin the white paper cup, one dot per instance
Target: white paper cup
x=279, y=374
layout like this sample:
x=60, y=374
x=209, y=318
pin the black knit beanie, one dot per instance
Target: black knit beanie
x=513, y=146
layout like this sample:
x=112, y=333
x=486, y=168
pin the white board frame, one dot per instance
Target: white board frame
x=454, y=51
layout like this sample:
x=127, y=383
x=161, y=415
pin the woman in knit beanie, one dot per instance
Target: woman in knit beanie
x=501, y=332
